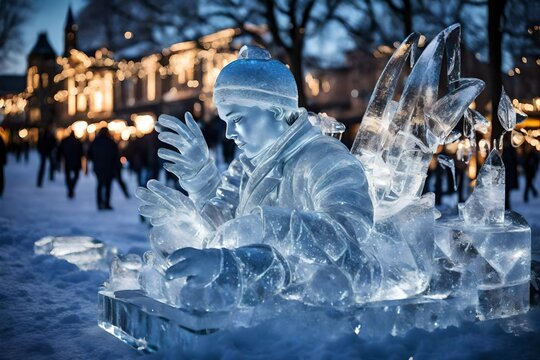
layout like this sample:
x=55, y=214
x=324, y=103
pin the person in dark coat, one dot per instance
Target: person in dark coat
x=71, y=152
x=3, y=161
x=103, y=153
x=46, y=146
x=510, y=160
x=530, y=167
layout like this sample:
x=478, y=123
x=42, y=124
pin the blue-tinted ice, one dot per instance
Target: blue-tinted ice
x=299, y=217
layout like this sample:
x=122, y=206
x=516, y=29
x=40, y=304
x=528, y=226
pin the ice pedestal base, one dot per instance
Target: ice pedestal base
x=488, y=265
x=149, y=325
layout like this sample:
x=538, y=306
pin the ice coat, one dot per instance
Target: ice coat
x=311, y=197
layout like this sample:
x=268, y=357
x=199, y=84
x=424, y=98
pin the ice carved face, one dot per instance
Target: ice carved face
x=253, y=129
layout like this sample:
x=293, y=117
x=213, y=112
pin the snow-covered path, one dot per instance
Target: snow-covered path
x=48, y=306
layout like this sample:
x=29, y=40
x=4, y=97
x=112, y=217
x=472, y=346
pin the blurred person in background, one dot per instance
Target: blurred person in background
x=3, y=161
x=46, y=146
x=103, y=153
x=71, y=152
x=530, y=167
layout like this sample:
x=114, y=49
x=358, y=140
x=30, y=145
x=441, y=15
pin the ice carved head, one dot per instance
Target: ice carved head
x=255, y=79
x=257, y=98
x=252, y=128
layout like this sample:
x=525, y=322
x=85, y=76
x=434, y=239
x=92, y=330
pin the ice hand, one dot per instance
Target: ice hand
x=212, y=278
x=162, y=205
x=200, y=267
x=191, y=149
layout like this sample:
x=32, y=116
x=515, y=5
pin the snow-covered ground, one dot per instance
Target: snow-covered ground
x=48, y=306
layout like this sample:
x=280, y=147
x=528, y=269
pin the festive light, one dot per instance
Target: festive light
x=144, y=123
x=79, y=128
x=23, y=133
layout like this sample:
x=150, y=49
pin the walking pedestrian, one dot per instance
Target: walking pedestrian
x=103, y=154
x=530, y=167
x=46, y=147
x=3, y=161
x=71, y=152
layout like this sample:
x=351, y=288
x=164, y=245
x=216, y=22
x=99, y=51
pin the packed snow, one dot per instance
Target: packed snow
x=48, y=306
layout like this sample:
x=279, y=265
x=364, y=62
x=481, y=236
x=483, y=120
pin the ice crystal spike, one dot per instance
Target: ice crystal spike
x=508, y=115
x=447, y=162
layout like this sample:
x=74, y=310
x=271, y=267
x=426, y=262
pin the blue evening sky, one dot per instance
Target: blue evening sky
x=49, y=16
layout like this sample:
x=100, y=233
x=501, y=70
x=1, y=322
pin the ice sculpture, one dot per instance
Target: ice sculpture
x=396, y=140
x=485, y=205
x=298, y=218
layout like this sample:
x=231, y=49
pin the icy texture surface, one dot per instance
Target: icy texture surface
x=84, y=251
x=486, y=203
x=508, y=115
x=447, y=162
x=329, y=126
x=396, y=140
x=240, y=81
x=298, y=218
x=124, y=272
x=484, y=265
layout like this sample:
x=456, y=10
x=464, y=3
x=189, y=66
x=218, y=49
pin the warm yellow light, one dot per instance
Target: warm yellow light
x=117, y=126
x=79, y=128
x=91, y=128
x=72, y=91
x=23, y=133
x=128, y=35
x=524, y=59
x=144, y=123
x=193, y=83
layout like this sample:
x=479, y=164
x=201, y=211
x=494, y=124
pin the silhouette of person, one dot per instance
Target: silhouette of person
x=103, y=154
x=3, y=161
x=530, y=167
x=46, y=146
x=71, y=152
x=510, y=160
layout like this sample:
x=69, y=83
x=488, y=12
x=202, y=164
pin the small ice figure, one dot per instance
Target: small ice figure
x=485, y=205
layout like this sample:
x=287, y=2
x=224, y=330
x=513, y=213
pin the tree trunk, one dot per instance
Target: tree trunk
x=407, y=17
x=297, y=70
x=495, y=13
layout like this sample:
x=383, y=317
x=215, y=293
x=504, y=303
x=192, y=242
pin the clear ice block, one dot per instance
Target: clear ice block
x=83, y=251
x=488, y=264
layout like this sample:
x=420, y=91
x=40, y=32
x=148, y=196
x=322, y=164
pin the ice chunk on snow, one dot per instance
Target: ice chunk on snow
x=84, y=251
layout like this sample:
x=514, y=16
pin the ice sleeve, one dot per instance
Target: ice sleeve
x=221, y=207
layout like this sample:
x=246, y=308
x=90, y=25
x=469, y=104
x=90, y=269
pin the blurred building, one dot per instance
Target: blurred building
x=100, y=87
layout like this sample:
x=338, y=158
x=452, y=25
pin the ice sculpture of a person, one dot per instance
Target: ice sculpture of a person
x=290, y=217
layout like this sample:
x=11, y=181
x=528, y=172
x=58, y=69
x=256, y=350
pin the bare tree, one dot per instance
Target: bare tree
x=13, y=16
x=121, y=24
x=286, y=25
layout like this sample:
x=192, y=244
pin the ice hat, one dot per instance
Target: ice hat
x=255, y=78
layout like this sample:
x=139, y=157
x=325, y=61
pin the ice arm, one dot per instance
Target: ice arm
x=222, y=206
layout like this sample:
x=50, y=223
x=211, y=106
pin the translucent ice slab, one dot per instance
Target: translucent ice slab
x=488, y=264
x=149, y=325
x=84, y=251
